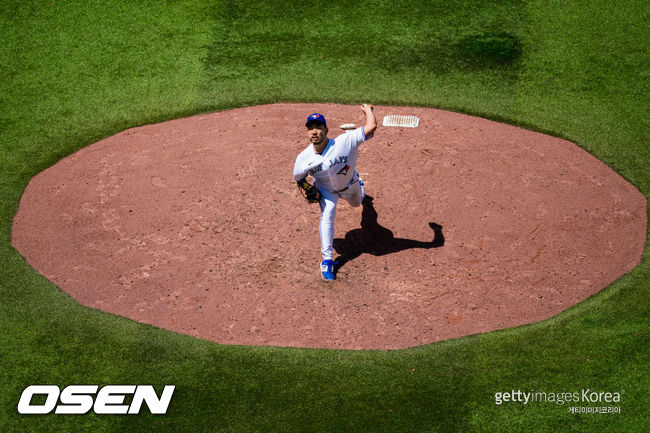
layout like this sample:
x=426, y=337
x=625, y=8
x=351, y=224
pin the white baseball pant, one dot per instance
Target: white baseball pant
x=353, y=194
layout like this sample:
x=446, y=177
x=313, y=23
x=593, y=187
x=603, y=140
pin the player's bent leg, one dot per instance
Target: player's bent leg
x=355, y=194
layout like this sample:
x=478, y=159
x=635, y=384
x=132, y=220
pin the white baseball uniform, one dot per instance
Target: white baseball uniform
x=335, y=175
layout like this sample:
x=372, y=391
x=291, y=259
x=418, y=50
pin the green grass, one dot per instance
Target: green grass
x=74, y=72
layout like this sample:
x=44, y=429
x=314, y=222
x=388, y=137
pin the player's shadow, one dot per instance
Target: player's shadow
x=372, y=238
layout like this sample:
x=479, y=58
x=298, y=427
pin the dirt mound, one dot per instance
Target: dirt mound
x=195, y=226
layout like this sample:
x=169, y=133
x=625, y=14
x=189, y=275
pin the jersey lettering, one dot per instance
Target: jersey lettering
x=316, y=169
x=340, y=160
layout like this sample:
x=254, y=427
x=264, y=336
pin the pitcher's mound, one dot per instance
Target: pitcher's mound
x=196, y=226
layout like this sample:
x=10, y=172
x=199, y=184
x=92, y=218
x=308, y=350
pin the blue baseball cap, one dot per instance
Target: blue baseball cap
x=316, y=118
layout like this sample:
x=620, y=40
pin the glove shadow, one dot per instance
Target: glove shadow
x=373, y=238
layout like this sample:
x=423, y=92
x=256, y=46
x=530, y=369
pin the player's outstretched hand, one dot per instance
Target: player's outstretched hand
x=371, y=121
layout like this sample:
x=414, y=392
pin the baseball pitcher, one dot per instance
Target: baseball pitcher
x=332, y=165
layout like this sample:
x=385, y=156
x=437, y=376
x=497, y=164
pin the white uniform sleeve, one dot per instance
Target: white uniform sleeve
x=304, y=165
x=358, y=136
x=299, y=169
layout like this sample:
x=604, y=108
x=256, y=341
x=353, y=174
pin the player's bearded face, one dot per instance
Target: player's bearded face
x=317, y=133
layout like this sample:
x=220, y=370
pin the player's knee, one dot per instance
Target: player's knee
x=328, y=207
x=355, y=203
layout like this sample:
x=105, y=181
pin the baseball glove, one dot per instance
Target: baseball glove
x=309, y=191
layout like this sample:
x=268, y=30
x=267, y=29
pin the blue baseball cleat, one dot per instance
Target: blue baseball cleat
x=327, y=269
